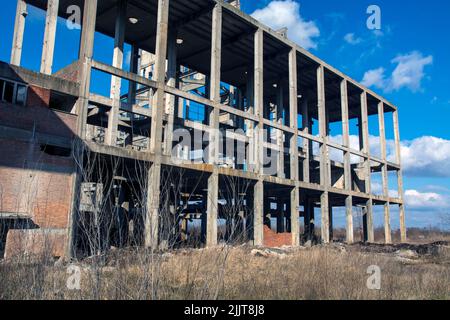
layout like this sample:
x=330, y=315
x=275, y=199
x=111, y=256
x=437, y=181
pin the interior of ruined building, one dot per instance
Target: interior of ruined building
x=90, y=153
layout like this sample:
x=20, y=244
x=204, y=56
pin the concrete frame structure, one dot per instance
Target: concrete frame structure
x=270, y=88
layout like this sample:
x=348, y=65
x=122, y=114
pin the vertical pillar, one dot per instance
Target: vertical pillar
x=364, y=128
x=19, y=29
x=293, y=123
x=369, y=213
x=399, y=176
x=324, y=157
x=349, y=219
x=85, y=57
x=171, y=100
x=306, y=142
x=48, y=47
x=280, y=133
x=347, y=162
x=384, y=173
x=154, y=176
x=258, y=140
x=325, y=227
x=119, y=38
x=214, y=142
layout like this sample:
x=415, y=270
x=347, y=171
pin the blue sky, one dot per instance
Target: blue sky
x=407, y=61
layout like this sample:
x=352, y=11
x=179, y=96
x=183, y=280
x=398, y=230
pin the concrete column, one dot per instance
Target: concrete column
x=258, y=101
x=325, y=227
x=48, y=47
x=347, y=162
x=85, y=57
x=323, y=128
x=280, y=135
x=384, y=173
x=330, y=221
x=369, y=213
x=399, y=176
x=116, y=82
x=293, y=123
x=294, y=205
x=214, y=143
x=324, y=157
x=154, y=176
x=364, y=128
x=171, y=100
x=258, y=213
x=19, y=29
x=349, y=219
x=306, y=143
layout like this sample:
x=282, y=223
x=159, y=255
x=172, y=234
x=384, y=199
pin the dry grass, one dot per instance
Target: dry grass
x=333, y=272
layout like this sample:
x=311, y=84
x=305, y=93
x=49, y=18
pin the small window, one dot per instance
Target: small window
x=9, y=92
x=21, y=94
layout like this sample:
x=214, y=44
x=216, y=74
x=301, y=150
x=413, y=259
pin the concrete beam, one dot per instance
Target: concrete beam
x=19, y=29
x=116, y=82
x=48, y=47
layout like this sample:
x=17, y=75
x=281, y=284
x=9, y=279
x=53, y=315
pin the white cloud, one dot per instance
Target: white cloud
x=408, y=73
x=280, y=14
x=351, y=39
x=422, y=157
x=426, y=156
x=374, y=78
x=429, y=201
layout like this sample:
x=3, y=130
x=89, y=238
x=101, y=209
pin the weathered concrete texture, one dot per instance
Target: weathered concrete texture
x=176, y=75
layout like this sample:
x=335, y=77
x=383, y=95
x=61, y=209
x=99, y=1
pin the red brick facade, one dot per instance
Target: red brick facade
x=276, y=240
x=36, y=183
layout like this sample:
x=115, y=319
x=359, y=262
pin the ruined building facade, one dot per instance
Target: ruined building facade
x=204, y=120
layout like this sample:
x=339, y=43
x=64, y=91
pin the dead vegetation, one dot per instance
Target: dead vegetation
x=333, y=272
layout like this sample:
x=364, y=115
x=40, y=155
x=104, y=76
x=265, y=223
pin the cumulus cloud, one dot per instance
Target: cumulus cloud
x=427, y=157
x=429, y=201
x=286, y=13
x=408, y=73
x=374, y=78
x=351, y=39
x=422, y=157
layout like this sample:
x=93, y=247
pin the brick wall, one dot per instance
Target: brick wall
x=276, y=240
x=34, y=183
x=35, y=243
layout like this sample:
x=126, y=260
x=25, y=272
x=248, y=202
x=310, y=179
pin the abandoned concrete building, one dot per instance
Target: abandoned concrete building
x=198, y=96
